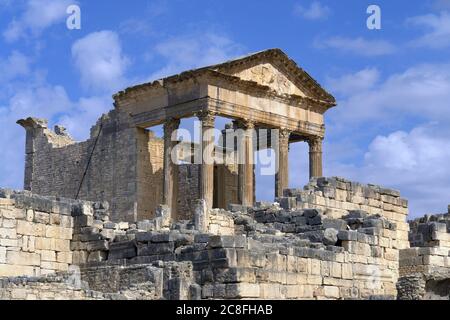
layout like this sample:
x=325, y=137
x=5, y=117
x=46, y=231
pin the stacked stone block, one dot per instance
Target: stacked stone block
x=35, y=235
x=425, y=267
x=336, y=196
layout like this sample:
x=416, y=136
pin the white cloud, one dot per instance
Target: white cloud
x=357, y=46
x=100, y=61
x=134, y=26
x=315, y=11
x=361, y=80
x=37, y=16
x=15, y=65
x=86, y=112
x=438, y=26
x=192, y=51
x=441, y=4
x=415, y=161
x=420, y=91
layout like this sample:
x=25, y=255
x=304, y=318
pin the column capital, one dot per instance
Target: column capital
x=244, y=124
x=315, y=144
x=171, y=124
x=207, y=118
x=284, y=133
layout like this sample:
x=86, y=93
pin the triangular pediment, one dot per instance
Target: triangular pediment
x=274, y=69
x=268, y=75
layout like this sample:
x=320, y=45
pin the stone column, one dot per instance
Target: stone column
x=207, y=170
x=282, y=158
x=315, y=157
x=170, y=168
x=246, y=162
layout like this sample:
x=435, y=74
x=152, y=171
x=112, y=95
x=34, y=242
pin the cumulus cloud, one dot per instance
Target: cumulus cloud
x=16, y=64
x=415, y=161
x=357, y=46
x=359, y=81
x=422, y=91
x=26, y=93
x=38, y=15
x=192, y=51
x=100, y=61
x=441, y=4
x=438, y=30
x=315, y=11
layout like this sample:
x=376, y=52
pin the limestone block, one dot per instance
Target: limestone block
x=270, y=291
x=97, y=256
x=64, y=257
x=123, y=225
x=18, y=294
x=2, y=255
x=29, y=215
x=16, y=243
x=347, y=271
x=31, y=229
x=42, y=243
x=391, y=254
x=47, y=255
x=23, y=258
x=8, y=233
x=54, y=266
x=336, y=270
x=434, y=260
x=314, y=280
x=7, y=270
x=79, y=257
x=28, y=243
x=66, y=222
x=9, y=223
x=83, y=221
x=58, y=232
x=55, y=219
x=41, y=217
x=243, y=290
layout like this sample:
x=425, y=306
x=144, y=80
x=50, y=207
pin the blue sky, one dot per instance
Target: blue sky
x=392, y=85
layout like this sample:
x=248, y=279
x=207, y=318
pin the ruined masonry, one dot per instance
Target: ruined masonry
x=114, y=217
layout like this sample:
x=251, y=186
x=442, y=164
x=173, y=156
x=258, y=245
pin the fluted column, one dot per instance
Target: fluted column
x=282, y=158
x=207, y=170
x=315, y=157
x=170, y=168
x=246, y=162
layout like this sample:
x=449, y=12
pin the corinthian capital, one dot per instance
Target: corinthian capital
x=244, y=124
x=207, y=118
x=171, y=124
x=315, y=144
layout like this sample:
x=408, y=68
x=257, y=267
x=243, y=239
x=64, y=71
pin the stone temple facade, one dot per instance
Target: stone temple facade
x=115, y=217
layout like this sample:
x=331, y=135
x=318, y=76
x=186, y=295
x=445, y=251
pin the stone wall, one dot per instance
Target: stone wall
x=149, y=174
x=124, y=167
x=55, y=164
x=277, y=251
x=425, y=267
x=336, y=196
x=35, y=234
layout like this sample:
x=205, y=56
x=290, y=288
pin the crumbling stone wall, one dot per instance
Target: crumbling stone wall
x=336, y=196
x=56, y=164
x=35, y=234
x=425, y=267
x=278, y=251
x=149, y=174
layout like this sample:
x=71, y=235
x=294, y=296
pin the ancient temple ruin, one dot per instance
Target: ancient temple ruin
x=125, y=164
x=115, y=217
